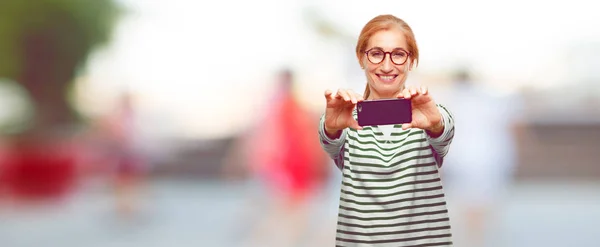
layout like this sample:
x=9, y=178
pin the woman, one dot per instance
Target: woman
x=391, y=193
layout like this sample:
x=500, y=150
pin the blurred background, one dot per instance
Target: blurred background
x=193, y=123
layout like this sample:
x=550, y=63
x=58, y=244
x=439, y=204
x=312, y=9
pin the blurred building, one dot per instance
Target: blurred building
x=563, y=123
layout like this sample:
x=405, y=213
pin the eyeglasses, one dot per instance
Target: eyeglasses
x=377, y=55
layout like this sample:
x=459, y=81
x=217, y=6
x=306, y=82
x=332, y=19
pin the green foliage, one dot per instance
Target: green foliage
x=77, y=26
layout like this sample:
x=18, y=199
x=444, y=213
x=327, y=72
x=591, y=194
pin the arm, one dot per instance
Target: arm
x=333, y=147
x=440, y=143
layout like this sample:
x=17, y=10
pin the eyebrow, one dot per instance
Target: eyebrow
x=397, y=48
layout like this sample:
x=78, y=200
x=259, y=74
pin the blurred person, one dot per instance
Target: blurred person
x=123, y=150
x=289, y=165
x=480, y=168
x=391, y=191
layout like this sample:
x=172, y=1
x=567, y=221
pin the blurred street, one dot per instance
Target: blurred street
x=207, y=213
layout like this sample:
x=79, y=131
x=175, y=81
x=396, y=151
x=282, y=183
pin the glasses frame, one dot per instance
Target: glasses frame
x=386, y=53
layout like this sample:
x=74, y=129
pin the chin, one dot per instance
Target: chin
x=388, y=91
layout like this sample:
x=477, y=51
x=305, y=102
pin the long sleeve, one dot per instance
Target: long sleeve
x=441, y=144
x=333, y=147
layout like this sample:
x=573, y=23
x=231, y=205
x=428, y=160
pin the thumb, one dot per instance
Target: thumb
x=354, y=124
x=407, y=126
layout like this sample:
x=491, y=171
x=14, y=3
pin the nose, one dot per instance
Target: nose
x=387, y=65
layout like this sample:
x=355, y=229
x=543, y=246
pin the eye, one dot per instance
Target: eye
x=376, y=53
x=399, y=54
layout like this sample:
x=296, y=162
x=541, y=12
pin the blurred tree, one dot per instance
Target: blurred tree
x=43, y=44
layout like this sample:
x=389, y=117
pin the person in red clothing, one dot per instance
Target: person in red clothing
x=283, y=154
x=285, y=150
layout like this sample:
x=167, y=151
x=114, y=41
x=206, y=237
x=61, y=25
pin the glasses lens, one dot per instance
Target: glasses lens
x=376, y=56
x=399, y=57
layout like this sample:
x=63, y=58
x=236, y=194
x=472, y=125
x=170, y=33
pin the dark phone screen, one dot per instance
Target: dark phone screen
x=383, y=112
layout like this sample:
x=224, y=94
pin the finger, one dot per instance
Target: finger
x=331, y=97
x=423, y=89
x=406, y=126
x=354, y=124
x=344, y=94
x=338, y=95
x=413, y=91
x=353, y=97
x=406, y=93
x=360, y=97
x=328, y=94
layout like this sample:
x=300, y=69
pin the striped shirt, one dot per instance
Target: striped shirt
x=391, y=193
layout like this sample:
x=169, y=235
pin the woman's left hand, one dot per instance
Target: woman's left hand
x=425, y=114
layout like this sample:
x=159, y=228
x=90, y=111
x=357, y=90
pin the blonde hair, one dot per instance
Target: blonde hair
x=381, y=23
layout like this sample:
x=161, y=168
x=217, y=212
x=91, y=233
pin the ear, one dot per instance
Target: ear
x=363, y=63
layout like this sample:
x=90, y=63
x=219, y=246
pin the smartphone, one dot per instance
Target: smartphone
x=384, y=112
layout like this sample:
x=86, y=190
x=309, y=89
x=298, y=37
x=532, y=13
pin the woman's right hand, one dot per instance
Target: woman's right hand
x=338, y=112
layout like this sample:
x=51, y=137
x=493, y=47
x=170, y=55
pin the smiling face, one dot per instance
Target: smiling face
x=386, y=78
x=387, y=51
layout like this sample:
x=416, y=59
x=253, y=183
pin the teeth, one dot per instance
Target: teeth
x=387, y=78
